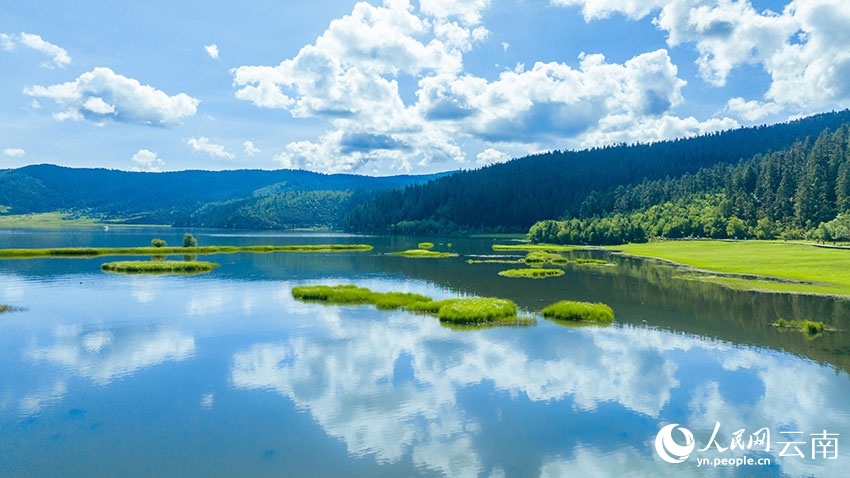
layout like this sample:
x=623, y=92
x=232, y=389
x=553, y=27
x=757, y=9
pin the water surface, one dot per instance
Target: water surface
x=224, y=374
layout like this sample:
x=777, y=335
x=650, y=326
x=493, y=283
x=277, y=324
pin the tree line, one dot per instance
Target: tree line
x=802, y=191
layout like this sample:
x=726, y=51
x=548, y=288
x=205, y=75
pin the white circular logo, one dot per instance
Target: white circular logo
x=669, y=450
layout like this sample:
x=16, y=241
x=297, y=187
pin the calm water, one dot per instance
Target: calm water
x=224, y=374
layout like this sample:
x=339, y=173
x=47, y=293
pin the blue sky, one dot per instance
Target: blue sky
x=399, y=86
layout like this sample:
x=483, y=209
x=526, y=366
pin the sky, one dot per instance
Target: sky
x=399, y=86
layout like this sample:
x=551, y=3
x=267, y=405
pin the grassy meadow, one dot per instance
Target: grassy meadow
x=780, y=266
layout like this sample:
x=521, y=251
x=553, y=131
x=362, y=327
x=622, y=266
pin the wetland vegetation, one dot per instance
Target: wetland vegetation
x=472, y=310
x=531, y=273
x=756, y=265
x=579, y=311
x=152, y=250
x=159, y=267
x=424, y=253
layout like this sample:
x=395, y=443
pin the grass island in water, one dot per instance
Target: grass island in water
x=423, y=253
x=579, y=311
x=156, y=251
x=159, y=267
x=473, y=311
x=531, y=273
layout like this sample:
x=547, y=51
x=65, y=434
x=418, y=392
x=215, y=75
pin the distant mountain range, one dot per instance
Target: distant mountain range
x=241, y=199
x=757, y=180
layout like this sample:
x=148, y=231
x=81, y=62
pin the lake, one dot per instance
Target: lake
x=225, y=374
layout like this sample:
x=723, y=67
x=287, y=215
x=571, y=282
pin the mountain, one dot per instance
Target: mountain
x=567, y=184
x=199, y=198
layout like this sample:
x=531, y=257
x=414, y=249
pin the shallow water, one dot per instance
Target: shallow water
x=224, y=374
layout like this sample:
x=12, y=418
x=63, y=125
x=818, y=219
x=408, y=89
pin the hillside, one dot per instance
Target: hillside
x=581, y=184
x=223, y=198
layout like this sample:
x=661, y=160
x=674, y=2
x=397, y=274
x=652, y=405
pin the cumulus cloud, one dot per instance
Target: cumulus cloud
x=349, y=78
x=804, y=48
x=147, y=161
x=204, y=145
x=14, y=152
x=58, y=56
x=212, y=51
x=492, y=156
x=101, y=95
x=250, y=149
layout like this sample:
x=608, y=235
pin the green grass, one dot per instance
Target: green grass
x=495, y=261
x=426, y=245
x=579, y=311
x=544, y=257
x=349, y=294
x=478, y=310
x=593, y=262
x=782, y=267
x=422, y=253
x=531, y=273
x=534, y=247
x=159, y=267
x=58, y=220
x=808, y=327
x=475, y=311
x=152, y=251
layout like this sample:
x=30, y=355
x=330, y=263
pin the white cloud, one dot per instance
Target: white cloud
x=14, y=152
x=599, y=9
x=468, y=12
x=349, y=78
x=59, y=56
x=203, y=145
x=146, y=160
x=752, y=110
x=102, y=95
x=212, y=51
x=492, y=156
x=804, y=48
x=250, y=149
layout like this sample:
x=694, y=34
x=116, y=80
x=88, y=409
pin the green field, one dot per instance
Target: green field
x=780, y=266
x=161, y=251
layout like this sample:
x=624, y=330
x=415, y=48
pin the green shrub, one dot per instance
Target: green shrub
x=157, y=242
x=426, y=245
x=581, y=311
x=531, y=273
x=189, y=240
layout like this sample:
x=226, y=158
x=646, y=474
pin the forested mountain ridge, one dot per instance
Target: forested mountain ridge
x=801, y=191
x=513, y=196
x=191, y=198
